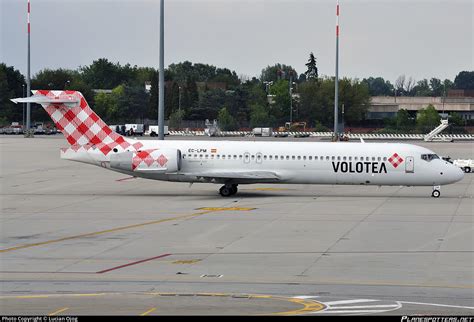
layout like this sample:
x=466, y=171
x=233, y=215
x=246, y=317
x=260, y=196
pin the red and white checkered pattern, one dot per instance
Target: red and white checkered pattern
x=395, y=160
x=82, y=126
x=148, y=159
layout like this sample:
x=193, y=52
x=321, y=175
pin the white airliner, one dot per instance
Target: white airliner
x=231, y=163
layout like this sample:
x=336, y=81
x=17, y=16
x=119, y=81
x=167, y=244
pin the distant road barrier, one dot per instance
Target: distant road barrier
x=352, y=136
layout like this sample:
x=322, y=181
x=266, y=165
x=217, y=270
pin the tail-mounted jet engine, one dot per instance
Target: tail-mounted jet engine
x=156, y=160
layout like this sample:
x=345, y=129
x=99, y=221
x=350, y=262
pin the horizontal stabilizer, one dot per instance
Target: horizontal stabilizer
x=68, y=100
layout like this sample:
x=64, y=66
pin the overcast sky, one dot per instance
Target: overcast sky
x=418, y=38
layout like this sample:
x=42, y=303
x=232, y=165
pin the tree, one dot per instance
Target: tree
x=402, y=120
x=422, y=88
x=103, y=74
x=259, y=116
x=11, y=81
x=464, y=80
x=280, y=108
x=312, y=70
x=427, y=118
x=57, y=79
x=437, y=87
x=378, y=86
x=226, y=121
x=208, y=105
x=278, y=72
x=175, y=119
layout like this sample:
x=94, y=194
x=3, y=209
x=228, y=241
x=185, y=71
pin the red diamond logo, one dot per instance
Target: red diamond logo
x=162, y=160
x=395, y=160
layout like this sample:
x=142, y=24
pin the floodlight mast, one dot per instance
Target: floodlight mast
x=161, y=81
x=336, y=81
x=26, y=130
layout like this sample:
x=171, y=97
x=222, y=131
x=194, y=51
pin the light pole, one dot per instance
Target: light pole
x=179, y=99
x=23, y=122
x=267, y=86
x=291, y=100
x=336, y=87
x=28, y=133
x=161, y=102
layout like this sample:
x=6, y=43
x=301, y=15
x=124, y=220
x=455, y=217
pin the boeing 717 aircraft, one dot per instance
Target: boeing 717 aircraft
x=231, y=163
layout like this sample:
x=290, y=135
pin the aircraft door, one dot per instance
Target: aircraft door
x=246, y=157
x=409, y=165
x=259, y=158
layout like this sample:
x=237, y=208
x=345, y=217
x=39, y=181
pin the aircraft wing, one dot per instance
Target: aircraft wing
x=238, y=175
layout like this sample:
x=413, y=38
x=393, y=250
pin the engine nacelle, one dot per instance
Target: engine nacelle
x=155, y=160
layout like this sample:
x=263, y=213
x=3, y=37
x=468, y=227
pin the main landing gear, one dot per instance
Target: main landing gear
x=436, y=192
x=228, y=190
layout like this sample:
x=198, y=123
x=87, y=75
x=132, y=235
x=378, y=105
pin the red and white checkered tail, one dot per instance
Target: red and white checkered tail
x=78, y=122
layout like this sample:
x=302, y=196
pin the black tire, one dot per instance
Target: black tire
x=234, y=189
x=225, y=191
x=467, y=169
x=435, y=194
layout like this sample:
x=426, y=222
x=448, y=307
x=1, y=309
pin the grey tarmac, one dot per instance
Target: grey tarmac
x=78, y=239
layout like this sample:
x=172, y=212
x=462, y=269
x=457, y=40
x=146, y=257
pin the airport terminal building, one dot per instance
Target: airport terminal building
x=387, y=106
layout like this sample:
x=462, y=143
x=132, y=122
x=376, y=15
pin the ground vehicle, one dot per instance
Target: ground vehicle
x=134, y=129
x=153, y=130
x=466, y=165
x=262, y=131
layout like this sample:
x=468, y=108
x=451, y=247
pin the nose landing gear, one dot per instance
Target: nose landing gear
x=228, y=190
x=436, y=192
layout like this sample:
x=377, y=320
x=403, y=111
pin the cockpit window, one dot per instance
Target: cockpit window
x=429, y=157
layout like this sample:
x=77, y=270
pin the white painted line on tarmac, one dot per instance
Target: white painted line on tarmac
x=349, y=301
x=303, y=297
x=350, y=311
x=440, y=305
x=366, y=306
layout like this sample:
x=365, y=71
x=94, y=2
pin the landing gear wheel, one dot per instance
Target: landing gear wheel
x=225, y=191
x=435, y=194
x=467, y=169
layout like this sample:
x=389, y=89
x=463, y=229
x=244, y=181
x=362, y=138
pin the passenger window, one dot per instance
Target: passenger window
x=333, y=158
x=379, y=159
x=299, y=157
x=310, y=158
x=288, y=157
x=338, y=158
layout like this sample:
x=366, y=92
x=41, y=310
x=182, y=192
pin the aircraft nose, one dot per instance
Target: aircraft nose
x=458, y=173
